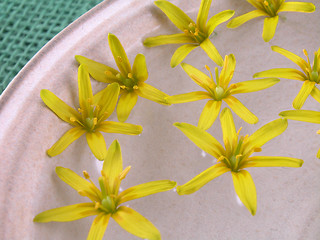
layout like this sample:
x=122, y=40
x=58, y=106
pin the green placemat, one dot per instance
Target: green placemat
x=27, y=25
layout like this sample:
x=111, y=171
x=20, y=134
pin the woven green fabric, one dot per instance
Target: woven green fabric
x=27, y=25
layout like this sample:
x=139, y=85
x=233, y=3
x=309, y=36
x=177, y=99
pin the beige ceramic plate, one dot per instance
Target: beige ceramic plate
x=288, y=199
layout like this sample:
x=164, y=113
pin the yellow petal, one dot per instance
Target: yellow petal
x=198, y=77
x=269, y=28
x=188, y=97
x=145, y=189
x=175, y=14
x=315, y=93
x=136, y=224
x=245, y=189
x=119, y=127
x=262, y=161
x=302, y=115
x=238, y=21
x=69, y=137
x=318, y=153
x=181, y=53
x=202, y=179
x=253, y=85
x=99, y=226
x=212, y=52
x=217, y=19
x=112, y=165
x=149, y=92
x=297, y=7
x=229, y=65
x=139, y=68
x=288, y=73
x=209, y=114
x=119, y=55
x=202, y=139
x=256, y=4
x=228, y=127
x=97, y=144
x=126, y=103
x=78, y=183
x=303, y=94
x=203, y=14
x=98, y=71
x=85, y=90
x=67, y=213
x=168, y=39
x=241, y=110
x=59, y=107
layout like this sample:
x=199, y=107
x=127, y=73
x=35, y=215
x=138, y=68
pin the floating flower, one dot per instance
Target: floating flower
x=270, y=10
x=235, y=156
x=304, y=116
x=131, y=81
x=90, y=117
x=309, y=75
x=106, y=201
x=220, y=91
x=194, y=34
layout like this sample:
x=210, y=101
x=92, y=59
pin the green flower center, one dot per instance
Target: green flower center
x=194, y=32
x=271, y=6
x=129, y=83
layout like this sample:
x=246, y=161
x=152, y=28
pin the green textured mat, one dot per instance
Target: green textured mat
x=27, y=25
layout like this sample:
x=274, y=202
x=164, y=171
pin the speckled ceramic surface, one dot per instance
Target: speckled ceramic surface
x=288, y=199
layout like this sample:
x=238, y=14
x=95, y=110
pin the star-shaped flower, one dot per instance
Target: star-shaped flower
x=105, y=203
x=270, y=10
x=235, y=156
x=309, y=75
x=304, y=116
x=90, y=117
x=131, y=81
x=220, y=91
x=194, y=34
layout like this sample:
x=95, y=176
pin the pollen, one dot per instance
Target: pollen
x=119, y=58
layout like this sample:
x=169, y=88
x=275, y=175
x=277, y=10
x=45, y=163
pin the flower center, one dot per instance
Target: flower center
x=194, y=32
x=271, y=6
x=313, y=72
x=129, y=82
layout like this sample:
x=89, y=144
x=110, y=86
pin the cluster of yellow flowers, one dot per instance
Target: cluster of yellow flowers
x=127, y=83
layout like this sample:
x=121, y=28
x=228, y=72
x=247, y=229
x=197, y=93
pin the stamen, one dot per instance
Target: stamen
x=238, y=156
x=118, y=75
x=80, y=110
x=72, y=119
x=239, y=131
x=89, y=100
x=135, y=87
x=124, y=173
x=186, y=31
x=119, y=58
x=102, y=187
x=123, y=87
x=108, y=73
x=95, y=120
x=232, y=86
x=306, y=54
x=217, y=75
x=191, y=25
x=129, y=75
x=258, y=149
x=220, y=158
x=86, y=174
x=97, y=205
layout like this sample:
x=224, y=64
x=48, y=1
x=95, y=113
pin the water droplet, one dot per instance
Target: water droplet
x=203, y=153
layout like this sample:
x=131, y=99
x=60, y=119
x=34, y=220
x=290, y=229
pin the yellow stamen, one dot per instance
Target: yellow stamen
x=86, y=174
x=129, y=75
x=124, y=173
x=135, y=87
x=191, y=25
x=108, y=73
x=266, y=3
x=220, y=158
x=118, y=75
x=239, y=131
x=95, y=120
x=258, y=149
x=232, y=86
x=72, y=119
x=186, y=31
x=238, y=156
x=123, y=87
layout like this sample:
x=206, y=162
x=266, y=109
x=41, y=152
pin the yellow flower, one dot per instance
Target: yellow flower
x=220, y=90
x=90, y=117
x=106, y=201
x=131, y=81
x=309, y=75
x=194, y=34
x=270, y=9
x=235, y=156
x=304, y=116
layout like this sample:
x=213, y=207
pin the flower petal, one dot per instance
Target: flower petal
x=303, y=94
x=297, y=7
x=318, y=153
x=228, y=127
x=212, y=52
x=229, y=65
x=98, y=71
x=59, y=107
x=288, y=73
x=119, y=127
x=136, y=224
x=69, y=137
x=85, y=90
x=256, y=4
x=126, y=103
x=97, y=144
x=202, y=179
x=168, y=39
x=302, y=115
x=119, y=55
x=149, y=92
x=209, y=114
x=139, y=68
x=67, y=213
x=198, y=77
x=245, y=189
x=99, y=226
x=175, y=14
x=262, y=161
x=217, y=19
x=145, y=189
x=202, y=139
x=253, y=85
x=241, y=110
x=188, y=97
x=269, y=27
x=238, y=21
x=203, y=14
x=181, y=53
x=315, y=93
